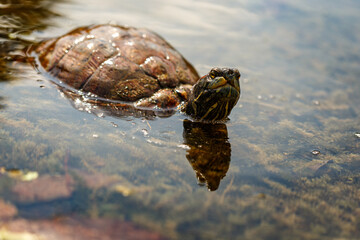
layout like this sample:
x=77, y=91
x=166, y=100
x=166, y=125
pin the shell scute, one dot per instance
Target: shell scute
x=50, y=52
x=82, y=61
x=120, y=79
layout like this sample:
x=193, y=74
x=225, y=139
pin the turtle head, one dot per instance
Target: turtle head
x=214, y=95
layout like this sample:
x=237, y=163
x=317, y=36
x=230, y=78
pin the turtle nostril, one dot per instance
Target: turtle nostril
x=230, y=72
x=234, y=73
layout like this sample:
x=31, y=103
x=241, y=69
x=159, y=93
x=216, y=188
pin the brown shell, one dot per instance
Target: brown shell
x=115, y=62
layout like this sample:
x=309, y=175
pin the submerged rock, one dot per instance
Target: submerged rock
x=68, y=228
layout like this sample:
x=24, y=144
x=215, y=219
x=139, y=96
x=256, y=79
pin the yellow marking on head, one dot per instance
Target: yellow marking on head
x=226, y=109
x=194, y=106
x=217, y=115
x=210, y=109
x=193, y=103
x=221, y=81
x=225, y=112
x=198, y=97
x=229, y=95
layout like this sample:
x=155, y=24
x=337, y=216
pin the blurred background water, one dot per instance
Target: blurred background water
x=289, y=155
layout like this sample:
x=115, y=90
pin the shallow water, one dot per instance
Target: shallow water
x=287, y=160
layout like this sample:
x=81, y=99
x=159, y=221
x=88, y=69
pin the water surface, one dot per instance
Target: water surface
x=287, y=160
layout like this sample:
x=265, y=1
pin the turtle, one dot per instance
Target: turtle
x=137, y=68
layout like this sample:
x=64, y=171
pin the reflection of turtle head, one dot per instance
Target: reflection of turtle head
x=214, y=95
x=209, y=153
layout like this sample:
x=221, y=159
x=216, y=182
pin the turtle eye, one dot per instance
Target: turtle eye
x=213, y=73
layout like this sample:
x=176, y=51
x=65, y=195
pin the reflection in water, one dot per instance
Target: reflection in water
x=19, y=18
x=2, y=106
x=209, y=148
x=94, y=105
x=209, y=153
x=4, y=76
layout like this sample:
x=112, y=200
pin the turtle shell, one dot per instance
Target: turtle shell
x=114, y=62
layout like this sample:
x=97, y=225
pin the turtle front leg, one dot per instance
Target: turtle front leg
x=166, y=98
